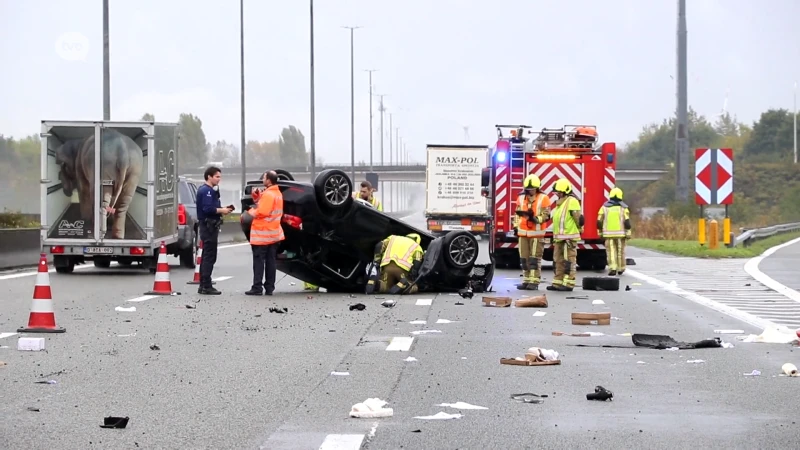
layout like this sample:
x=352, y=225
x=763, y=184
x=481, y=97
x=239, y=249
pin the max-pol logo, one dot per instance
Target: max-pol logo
x=72, y=46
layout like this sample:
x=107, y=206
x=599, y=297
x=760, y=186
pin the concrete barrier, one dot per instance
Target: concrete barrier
x=21, y=247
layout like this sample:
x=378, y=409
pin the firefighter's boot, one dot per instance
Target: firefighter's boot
x=612, y=273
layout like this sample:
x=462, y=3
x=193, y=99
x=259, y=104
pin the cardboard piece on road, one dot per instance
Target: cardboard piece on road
x=499, y=302
x=526, y=362
x=540, y=301
x=599, y=318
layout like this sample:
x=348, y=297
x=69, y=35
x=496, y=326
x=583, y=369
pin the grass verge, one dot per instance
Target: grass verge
x=693, y=249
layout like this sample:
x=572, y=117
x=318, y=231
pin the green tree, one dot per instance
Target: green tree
x=147, y=117
x=192, y=148
x=656, y=143
x=263, y=154
x=771, y=139
x=292, y=147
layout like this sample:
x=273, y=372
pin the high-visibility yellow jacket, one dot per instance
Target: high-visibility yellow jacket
x=614, y=220
x=565, y=219
x=401, y=250
x=372, y=201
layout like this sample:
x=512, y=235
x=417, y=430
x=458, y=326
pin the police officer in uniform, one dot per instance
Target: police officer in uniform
x=209, y=216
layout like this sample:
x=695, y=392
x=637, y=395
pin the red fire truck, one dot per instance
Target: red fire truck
x=570, y=152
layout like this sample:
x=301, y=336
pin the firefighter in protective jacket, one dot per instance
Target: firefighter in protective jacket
x=614, y=221
x=399, y=259
x=533, y=210
x=567, y=224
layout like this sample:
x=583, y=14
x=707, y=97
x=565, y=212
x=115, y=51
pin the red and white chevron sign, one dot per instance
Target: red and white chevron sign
x=713, y=173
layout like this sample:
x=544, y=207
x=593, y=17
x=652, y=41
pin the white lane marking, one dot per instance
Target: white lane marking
x=707, y=302
x=342, y=442
x=751, y=267
x=400, y=344
x=143, y=298
x=221, y=278
x=5, y=335
x=424, y=301
x=89, y=266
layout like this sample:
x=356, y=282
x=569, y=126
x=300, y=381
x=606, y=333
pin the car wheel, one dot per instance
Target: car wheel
x=461, y=249
x=102, y=263
x=600, y=284
x=284, y=175
x=334, y=189
x=246, y=221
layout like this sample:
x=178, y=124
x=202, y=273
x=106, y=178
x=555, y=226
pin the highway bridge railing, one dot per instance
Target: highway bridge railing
x=21, y=247
x=750, y=235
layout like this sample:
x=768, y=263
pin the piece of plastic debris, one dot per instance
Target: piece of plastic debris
x=126, y=335
x=292, y=283
x=121, y=309
x=539, y=314
x=155, y=347
x=598, y=302
x=627, y=288
x=115, y=422
x=47, y=382
x=754, y=373
x=191, y=307
x=729, y=331
x=31, y=408
x=461, y=405
x=371, y=408
x=358, y=307
x=463, y=357
x=640, y=362
x=616, y=318
x=790, y=370
x=541, y=354
x=771, y=335
x=459, y=304
x=578, y=297
x=418, y=322
x=3, y=363
x=410, y=359
x=529, y=397
x=388, y=303
x=726, y=345
x=446, y=321
x=340, y=374
x=672, y=349
x=440, y=416
x=695, y=361
x=418, y=332
x=278, y=310
x=600, y=394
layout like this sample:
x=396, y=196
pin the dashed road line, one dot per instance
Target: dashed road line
x=5, y=335
x=342, y=442
x=400, y=344
x=722, y=285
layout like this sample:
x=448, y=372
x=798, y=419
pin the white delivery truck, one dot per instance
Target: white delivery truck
x=453, y=185
x=108, y=192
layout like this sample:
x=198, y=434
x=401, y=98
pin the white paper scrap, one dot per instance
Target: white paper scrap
x=121, y=309
x=410, y=359
x=446, y=321
x=340, y=374
x=461, y=405
x=598, y=302
x=440, y=416
x=539, y=314
x=424, y=332
x=418, y=322
x=729, y=331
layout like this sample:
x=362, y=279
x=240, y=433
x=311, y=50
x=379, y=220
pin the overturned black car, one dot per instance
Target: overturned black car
x=331, y=238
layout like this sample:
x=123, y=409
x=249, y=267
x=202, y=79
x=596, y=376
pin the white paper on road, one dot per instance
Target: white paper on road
x=371, y=408
x=729, y=331
x=446, y=321
x=695, y=361
x=598, y=302
x=340, y=374
x=418, y=322
x=400, y=344
x=425, y=332
x=440, y=416
x=772, y=335
x=410, y=359
x=121, y=309
x=539, y=314
x=424, y=301
x=461, y=405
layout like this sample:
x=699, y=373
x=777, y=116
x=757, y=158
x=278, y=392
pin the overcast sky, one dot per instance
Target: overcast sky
x=443, y=64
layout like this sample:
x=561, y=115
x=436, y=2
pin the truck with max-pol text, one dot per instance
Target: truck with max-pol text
x=453, y=189
x=109, y=192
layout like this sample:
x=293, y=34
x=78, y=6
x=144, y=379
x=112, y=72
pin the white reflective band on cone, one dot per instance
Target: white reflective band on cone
x=42, y=306
x=42, y=279
x=162, y=276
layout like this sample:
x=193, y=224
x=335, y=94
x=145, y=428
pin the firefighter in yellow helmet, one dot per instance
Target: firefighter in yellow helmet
x=399, y=259
x=533, y=210
x=614, y=223
x=567, y=224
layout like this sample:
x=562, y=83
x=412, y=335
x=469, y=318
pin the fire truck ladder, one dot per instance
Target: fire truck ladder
x=517, y=173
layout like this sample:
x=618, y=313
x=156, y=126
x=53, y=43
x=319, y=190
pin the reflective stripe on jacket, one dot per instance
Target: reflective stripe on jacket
x=372, y=201
x=527, y=228
x=266, y=228
x=564, y=225
x=403, y=251
x=613, y=218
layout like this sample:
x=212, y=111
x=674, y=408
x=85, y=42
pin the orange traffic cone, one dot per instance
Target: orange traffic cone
x=196, y=279
x=42, y=318
x=162, y=285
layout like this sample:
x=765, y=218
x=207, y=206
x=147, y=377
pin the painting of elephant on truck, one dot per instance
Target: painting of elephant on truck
x=74, y=201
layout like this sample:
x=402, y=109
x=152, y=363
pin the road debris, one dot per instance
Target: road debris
x=695, y=361
x=660, y=342
x=389, y=303
x=122, y=309
x=371, y=408
x=446, y=321
x=578, y=297
x=191, y=307
x=3, y=363
x=418, y=332
x=410, y=359
x=584, y=334
x=115, y=422
x=598, y=302
x=754, y=373
x=593, y=318
x=440, y=416
x=340, y=374
x=32, y=409
x=600, y=394
x=728, y=331
x=539, y=314
x=418, y=322
x=461, y=405
x=499, y=302
x=358, y=307
x=540, y=301
x=30, y=344
x=47, y=382
x=155, y=347
x=529, y=397
x=772, y=335
x=790, y=370
x=279, y=310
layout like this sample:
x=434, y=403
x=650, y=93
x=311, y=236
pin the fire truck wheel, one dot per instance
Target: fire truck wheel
x=600, y=284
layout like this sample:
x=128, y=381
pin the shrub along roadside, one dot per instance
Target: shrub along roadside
x=694, y=249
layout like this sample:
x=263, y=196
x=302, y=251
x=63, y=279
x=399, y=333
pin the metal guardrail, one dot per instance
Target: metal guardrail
x=21, y=247
x=748, y=236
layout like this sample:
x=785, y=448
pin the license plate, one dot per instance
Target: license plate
x=449, y=227
x=98, y=250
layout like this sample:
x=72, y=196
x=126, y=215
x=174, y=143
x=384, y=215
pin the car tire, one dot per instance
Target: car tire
x=246, y=221
x=460, y=249
x=600, y=284
x=284, y=175
x=63, y=264
x=334, y=190
x=102, y=263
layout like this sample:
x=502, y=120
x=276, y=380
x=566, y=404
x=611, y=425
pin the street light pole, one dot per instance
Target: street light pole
x=313, y=131
x=382, y=109
x=241, y=58
x=106, y=66
x=682, y=125
x=352, y=109
x=371, y=169
x=391, y=155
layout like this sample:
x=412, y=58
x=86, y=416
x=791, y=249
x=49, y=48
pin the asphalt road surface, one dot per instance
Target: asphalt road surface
x=228, y=374
x=781, y=266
